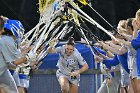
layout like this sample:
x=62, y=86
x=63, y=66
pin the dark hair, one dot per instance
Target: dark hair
x=1, y=22
x=70, y=41
x=129, y=23
x=7, y=32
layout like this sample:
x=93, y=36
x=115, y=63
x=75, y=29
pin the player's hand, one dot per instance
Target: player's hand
x=23, y=69
x=52, y=42
x=75, y=73
x=109, y=81
x=98, y=59
x=98, y=44
x=31, y=56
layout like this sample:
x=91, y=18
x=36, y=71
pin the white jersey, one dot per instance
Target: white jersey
x=8, y=52
x=67, y=64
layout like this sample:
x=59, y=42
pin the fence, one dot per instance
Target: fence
x=46, y=82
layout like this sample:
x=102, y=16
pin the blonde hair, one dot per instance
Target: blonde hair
x=122, y=23
x=138, y=13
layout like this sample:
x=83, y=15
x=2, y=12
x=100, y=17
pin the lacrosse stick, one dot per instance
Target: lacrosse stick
x=26, y=36
x=44, y=52
x=60, y=34
x=89, y=18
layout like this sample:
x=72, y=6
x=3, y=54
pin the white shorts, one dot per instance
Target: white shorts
x=24, y=80
x=125, y=80
x=132, y=66
x=138, y=77
x=109, y=89
x=24, y=83
x=16, y=78
x=134, y=71
x=73, y=81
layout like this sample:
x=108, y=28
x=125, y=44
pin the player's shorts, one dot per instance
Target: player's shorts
x=16, y=78
x=134, y=71
x=71, y=80
x=125, y=80
x=113, y=88
x=133, y=67
x=7, y=82
x=138, y=77
x=24, y=80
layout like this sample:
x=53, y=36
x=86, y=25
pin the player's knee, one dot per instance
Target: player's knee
x=64, y=88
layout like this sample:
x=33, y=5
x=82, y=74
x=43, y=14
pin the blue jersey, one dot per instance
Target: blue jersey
x=100, y=50
x=111, y=62
x=136, y=45
x=123, y=61
x=116, y=60
x=107, y=65
x=136, y=42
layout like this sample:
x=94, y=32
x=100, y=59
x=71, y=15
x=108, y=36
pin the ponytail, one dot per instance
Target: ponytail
x=71, y=41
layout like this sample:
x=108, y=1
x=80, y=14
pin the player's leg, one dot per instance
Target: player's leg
x=64, y=84
x=18, y=82
x=25, y=84
x=135, y=85
x=73, y=88
x=2, y=90
x=130, y=89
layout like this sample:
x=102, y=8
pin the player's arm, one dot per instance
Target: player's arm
x=51, y=50
x=82, y=62
x=83, y=68
x=20, y=61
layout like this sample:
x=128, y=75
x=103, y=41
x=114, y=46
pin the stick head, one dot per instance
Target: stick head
x=16, y=28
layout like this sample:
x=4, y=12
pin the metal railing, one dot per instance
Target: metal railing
x=44, y=81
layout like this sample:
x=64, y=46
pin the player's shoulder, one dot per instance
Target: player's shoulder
x=2, y=40
x=5, y=39
x=76, y=52
x=60, y=48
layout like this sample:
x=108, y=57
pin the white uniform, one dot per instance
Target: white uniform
x=67, y=64
x=8, y=53
x=21, y=79
x=24, y=75
x=114, y=87
x=17, y=79
x=132, y=62
x=125, y=80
